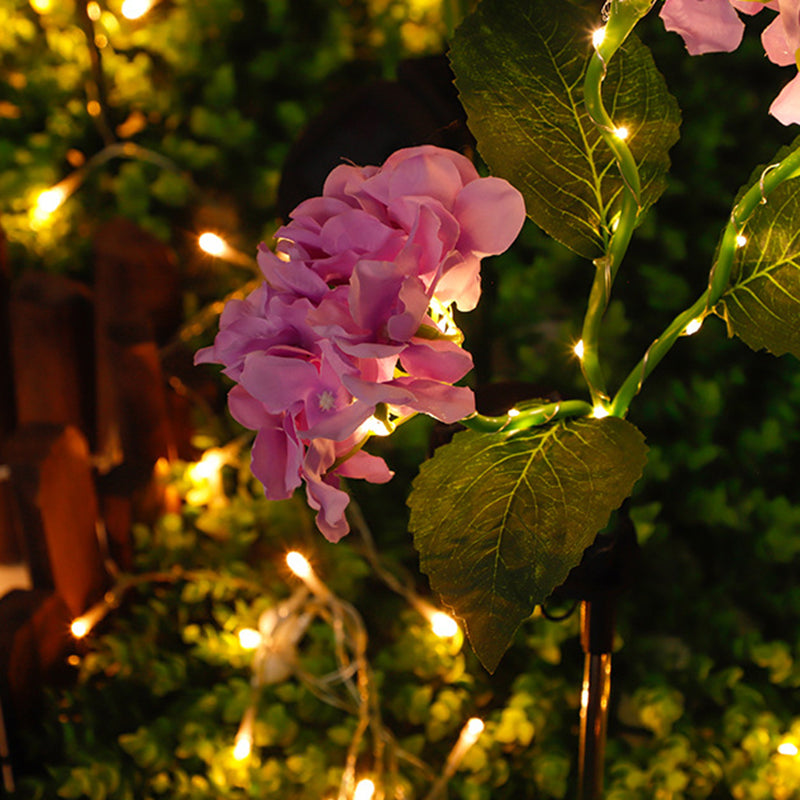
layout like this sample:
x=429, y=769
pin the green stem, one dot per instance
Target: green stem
x=622, y=19
x=528, y=417
x=719, y=278
x=657, y=350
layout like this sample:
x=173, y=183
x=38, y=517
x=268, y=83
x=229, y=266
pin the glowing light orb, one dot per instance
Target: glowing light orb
x=298, y=564
x=134, y=9
x=444, y=626
x=212, y=244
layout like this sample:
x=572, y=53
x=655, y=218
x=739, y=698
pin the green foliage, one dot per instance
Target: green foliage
x=519, y=70
x=762, y=303
x=706, y=665
x=500, y=519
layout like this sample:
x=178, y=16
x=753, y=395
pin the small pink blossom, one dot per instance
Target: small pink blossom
x=711, y=26
x=351, y=329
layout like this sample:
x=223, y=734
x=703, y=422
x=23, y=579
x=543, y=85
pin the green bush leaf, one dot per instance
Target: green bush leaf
x=519, y=67
x=499, y=520
x=762, y=304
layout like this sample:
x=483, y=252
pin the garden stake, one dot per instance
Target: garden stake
x=597, y=637
x=605, y=571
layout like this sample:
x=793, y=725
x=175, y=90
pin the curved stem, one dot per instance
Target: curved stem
x=529, y=417
x=657, y=350
x=718, y=282
x=622, y=19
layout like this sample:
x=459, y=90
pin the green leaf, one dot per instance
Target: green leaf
x=519, y=67
x=499, y=520
x=762, y=304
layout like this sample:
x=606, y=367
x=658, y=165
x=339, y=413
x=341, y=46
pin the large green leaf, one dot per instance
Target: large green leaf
x=762, y=303
x=499, y=520
x=519, y=67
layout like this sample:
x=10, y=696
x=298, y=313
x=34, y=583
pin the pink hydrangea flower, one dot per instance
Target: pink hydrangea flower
x=710, y=26
x=352, y=330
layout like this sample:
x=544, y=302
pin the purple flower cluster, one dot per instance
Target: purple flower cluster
x=709, y=26
x=351, y=330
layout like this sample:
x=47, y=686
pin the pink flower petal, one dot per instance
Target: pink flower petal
x=341, y=424
x=776, y=44
x=437, y=359
x=461, y=282
x=346, y=180
x=786, y=106
x=443, y=402
x=290, y=276
x=276, y=460
x=248, y=411
x=323, y=493
x=491, y=213
x=366, y=467
x=753, y=6
x=279, y=383
x=362, y=233
x=707, y=26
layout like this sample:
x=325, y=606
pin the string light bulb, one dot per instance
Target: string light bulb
x=598, y=36
x=365, y=790
x=47, y=203
x=249, y=638
x=299, y=565
x=622, y=132
x=135, y=9
x=466, y=739
x=600, y=411
x=243, y=744
x=579, y=349
x=212, y=244
x=693, y=327
x=741, y=240
x=788, y=749
x=208, y=466
x=472, y=730
x=80, y=627
x=443, y=625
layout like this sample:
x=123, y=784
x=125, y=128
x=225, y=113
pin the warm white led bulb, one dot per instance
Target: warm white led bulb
x=50, y=200
x=474, y=728
x=212, y=244
x=243, y=746
x=298, y=564
x=741, y=240
x=365, y=790
x=622, y=132
x=598, y=36
x=80, y=627
x=249, y=638
x=579, y=349
x=443, y=625
x=134, y=9
x=600, y=411
x=788, y=749
x=693, y=327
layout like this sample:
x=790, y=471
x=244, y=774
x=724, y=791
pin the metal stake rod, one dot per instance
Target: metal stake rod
x=597, y=636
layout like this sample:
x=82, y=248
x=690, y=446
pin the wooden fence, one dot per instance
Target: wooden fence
x=86, y=410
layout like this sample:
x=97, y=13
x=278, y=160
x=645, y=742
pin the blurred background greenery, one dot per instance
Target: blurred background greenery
x=242, y=106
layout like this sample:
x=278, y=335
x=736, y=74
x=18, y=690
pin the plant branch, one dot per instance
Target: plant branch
x=622, y=19
x=528, y=417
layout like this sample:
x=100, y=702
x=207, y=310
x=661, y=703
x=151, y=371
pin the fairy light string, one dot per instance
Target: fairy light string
x=281, y=629
x=689, y=320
